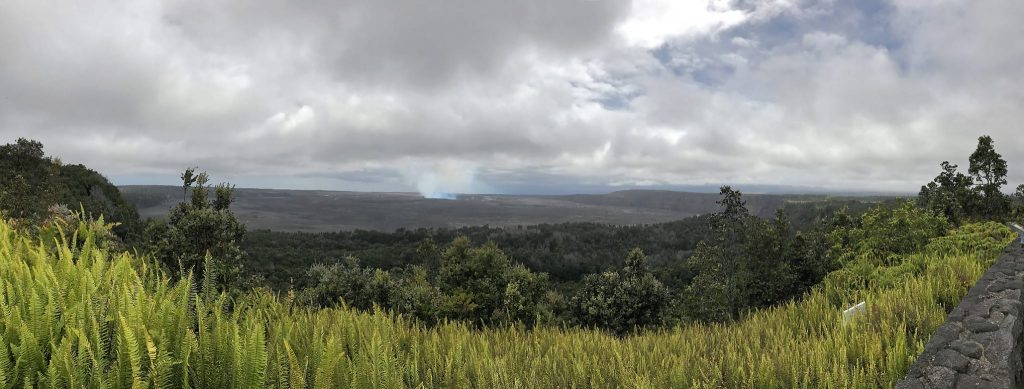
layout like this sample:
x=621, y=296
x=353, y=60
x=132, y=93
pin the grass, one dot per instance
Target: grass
x=74, y=314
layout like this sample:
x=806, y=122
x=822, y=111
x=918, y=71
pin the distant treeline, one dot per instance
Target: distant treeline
x=566, y=251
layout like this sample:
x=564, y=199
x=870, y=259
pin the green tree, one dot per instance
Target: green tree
x=730, y=226
x=975, y=196
x=708, y=297
x=950, y=193
x=357, y=286
x=429, y=254
x=187, y=179
x=621, y=301
x=772, y=260
x=224, y=195
x=480, y=284
x=28, y=180
x=83, y=188
x=31, y=183
x=989, y=171
x=885, y=234
x=987, y=166
x=199, y=228
x=415, y=296
x=751, y=262
x=524, y=297
x=812, y=259
x=472, y=279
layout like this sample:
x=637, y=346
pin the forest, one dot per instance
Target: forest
x=566, y=252
x=96, y=297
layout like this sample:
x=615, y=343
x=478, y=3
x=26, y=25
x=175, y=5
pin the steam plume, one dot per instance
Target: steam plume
x=444, y=180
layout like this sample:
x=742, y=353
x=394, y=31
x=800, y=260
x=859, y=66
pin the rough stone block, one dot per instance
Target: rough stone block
x=952, y=359
x=910, y=384
x=941, y=377
x=945, y=334
x=999, y=286
x=979, y=325
x=968, y=348
x=968, y=381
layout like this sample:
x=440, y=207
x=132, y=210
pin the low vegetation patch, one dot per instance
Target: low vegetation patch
x=74, y=313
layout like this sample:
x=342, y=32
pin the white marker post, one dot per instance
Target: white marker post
x=855, y=310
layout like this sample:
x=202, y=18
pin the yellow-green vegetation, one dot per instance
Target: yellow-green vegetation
x=75, y=314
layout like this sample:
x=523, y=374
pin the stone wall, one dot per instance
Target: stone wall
x=979, y=345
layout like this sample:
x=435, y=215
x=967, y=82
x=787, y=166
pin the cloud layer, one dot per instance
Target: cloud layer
x=471, y=95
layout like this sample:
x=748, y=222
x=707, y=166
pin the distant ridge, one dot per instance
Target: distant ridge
x=321, y=210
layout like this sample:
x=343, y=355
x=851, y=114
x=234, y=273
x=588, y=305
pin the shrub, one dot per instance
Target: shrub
x=884, y=235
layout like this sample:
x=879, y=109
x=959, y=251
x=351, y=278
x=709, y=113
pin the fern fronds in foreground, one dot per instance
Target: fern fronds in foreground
x=76, y=315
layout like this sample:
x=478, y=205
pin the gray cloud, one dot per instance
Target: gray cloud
x=384, y=44
x=500, y=95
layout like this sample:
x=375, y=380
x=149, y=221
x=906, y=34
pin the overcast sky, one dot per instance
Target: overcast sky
x=516, y=95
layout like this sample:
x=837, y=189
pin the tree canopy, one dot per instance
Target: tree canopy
x=977, y=196
x=31, y=183
x=199, y=233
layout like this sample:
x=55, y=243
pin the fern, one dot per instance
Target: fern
x=296, y=372
x=28, y=356
x=6, y=380
x=189, y=343
x=80, y=317
x=130, y=346
x=254, y=373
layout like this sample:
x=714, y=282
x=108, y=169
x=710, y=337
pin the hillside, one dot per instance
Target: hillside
x=30, y=183
x=145, y=333
x=322, y=211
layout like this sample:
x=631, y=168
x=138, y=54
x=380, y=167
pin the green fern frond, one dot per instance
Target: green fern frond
x=131, y=347
x=296, y=372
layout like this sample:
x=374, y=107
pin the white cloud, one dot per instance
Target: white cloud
x=652, y=22
x=842, y=94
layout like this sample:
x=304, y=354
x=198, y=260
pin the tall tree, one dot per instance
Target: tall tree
x=987, y=166
x=198, y=230
x=187, y=179
x=975, y=196
x=751, y=262
x=989, y=170
x=731, y=225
